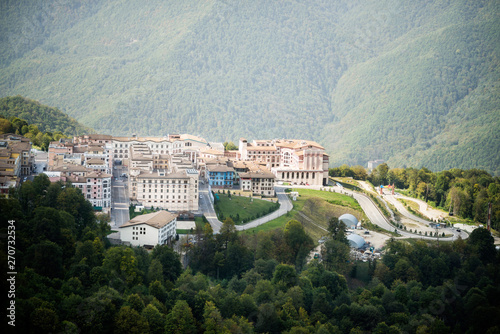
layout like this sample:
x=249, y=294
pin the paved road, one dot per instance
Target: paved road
x=285, y=206
x=401, y=208
x=372, y=212
x=207, y=208
x=376, y=217
x=119, y=203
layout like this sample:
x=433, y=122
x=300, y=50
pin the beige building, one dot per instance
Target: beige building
x=184, y=143
x=258, y=182
x=16, y=149
x=294, y=161
x=176, y=191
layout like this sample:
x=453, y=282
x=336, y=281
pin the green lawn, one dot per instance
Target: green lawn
x=243, y=209
x=331, y=203
x=331, y=197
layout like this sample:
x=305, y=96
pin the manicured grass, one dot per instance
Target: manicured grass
x=199, y=222
x=330, y=203
x=242, y=208
x=184, y=231
x=331, y=197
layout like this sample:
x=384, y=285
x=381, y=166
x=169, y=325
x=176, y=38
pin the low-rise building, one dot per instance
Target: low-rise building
x=16, y=149
x=260, y=182
x=157, y=228
x=220, y=176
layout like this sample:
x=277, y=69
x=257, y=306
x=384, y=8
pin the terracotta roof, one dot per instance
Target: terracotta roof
x=257, y=175
x=156, y=219
x=261, y=148
x=99, y=136
x=186, y=136
x=212, y=151
x=219, y=168
x=69, y=168
x=297, y=143
x=97, y=175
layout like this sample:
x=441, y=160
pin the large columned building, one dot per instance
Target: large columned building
x=295, y=161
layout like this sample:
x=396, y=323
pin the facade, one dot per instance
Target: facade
x=159, y=189
x=99, y=157
x=220, y=176
x=258, y=182
x=294, y=161
x=95, y=186
x=157, y=228
x=171, y=144
x=16, y=149
x=6, y=183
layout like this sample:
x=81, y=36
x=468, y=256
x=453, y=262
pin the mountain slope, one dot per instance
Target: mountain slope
x=396, y=80
x=47, y=119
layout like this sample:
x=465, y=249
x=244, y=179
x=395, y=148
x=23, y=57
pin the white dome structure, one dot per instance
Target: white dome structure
x=355, y=241
x=348, y=219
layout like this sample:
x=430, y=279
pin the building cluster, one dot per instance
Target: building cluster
x=16, y=161
x=164, y=172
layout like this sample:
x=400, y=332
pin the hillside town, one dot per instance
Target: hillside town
x=164, y=173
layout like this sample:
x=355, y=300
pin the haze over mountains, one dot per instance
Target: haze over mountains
x=413, y=82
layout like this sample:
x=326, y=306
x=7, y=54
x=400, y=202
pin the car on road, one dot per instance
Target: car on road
x=201, y=196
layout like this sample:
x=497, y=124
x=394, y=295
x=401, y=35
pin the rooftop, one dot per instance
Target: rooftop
x=156, y=219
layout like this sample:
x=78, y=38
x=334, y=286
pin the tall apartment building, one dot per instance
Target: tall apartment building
x=95, y=186
x=176, y=191
x=294, y=161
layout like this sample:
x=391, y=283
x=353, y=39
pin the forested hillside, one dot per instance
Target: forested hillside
x=46, y=119
x=69, y=279
x=412, y=82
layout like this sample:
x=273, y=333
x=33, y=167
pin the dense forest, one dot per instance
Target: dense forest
x=415, y=83
x=464, y=193
x=44, y=118
x=70, y=279
x=21, y=127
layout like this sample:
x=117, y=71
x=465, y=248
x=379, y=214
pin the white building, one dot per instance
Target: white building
x=157, y=228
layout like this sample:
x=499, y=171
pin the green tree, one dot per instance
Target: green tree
x=212, y=319
x=129, y=320
x=154, y=318
x=44, y=320
x=169, y=260
x=297, y=239
x=285, y=276
x=180, y=320
x=337, y=230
